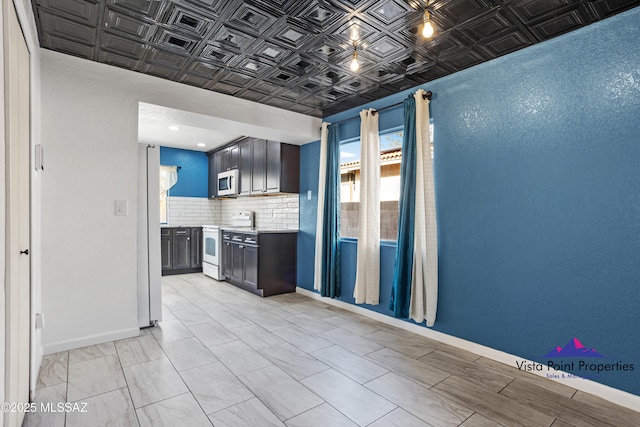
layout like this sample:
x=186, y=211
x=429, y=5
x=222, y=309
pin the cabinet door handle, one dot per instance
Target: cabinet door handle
x=241, y=246
x=188, y=238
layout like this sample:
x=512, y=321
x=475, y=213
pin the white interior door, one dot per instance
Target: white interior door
x=17, y=266
x=153, y=231
x=143, y=238
x=149, y=266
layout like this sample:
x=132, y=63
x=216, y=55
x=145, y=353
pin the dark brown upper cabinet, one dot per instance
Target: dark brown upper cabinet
x=258, y=165
x=229, y=158
x=265, y=167
x=215, y=166
x=275, y=167
x=222, y=160
x=244, y=176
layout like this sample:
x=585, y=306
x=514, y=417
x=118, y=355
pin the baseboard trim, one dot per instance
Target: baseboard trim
x=614, y=395
x=90, y=340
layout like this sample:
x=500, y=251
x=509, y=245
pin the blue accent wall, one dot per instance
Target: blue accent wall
x=193, y=176
x=537, y=160
x=309, y=172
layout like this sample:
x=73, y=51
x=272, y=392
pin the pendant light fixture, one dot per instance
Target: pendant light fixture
x=354, y=35
x=355, y=65
x=427, y=29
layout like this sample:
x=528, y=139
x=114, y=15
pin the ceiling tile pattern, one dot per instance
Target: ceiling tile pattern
x=295, y=54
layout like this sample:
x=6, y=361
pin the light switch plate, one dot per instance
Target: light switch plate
x=122, y=208
x=308, y=194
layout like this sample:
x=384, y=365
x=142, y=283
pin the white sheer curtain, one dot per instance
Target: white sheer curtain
x=367, y=287
x=424, y=286
x=168, y=177
x=317, y=275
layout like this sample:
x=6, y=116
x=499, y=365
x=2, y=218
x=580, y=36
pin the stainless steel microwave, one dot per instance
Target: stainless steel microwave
x=228, y=183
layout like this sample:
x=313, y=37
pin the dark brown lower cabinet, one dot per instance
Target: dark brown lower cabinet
x=226, y=258
x=196, y=247
x=250, y=258
x=261, y=263
x=165, y=248
x=237, y=263
x=181, y=250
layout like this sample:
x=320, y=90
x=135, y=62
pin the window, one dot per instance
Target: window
x=163, y=207
x=168, y=178
x=390, y=162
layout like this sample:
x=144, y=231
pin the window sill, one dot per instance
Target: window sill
x=388, y=243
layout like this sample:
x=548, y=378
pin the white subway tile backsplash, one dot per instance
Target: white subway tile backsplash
x=276, y=212
x=192, y=211
x=269, y=212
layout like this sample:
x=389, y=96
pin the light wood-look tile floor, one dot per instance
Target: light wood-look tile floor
x=225, y=357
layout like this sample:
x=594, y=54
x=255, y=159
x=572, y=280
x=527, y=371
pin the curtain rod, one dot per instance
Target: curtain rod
x=426, y=95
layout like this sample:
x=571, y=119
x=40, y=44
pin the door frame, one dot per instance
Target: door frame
x=17, y=143
x=26, y=22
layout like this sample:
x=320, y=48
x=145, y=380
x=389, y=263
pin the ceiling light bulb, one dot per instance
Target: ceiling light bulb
x=174, y=127
x=201, y=144
x=427, y=30
x=355, y=65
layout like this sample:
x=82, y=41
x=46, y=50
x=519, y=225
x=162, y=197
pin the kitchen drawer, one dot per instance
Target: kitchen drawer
x=250, y=238
x=182, y=231
x=237, y=237
x=165, y=232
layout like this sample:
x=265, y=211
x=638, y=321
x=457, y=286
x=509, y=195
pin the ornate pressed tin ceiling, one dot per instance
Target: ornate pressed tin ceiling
x=295, y=54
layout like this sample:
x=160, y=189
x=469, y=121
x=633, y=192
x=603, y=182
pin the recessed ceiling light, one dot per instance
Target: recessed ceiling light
x=201, y=144
x=174, y=127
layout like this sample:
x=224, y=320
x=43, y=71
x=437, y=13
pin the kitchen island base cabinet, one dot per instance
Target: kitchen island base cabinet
x=262, y=263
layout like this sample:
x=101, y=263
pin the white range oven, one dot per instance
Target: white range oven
x=212, y=247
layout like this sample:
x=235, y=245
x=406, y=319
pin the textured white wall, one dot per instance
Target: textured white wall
x=89, y=130
x=89, y=254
